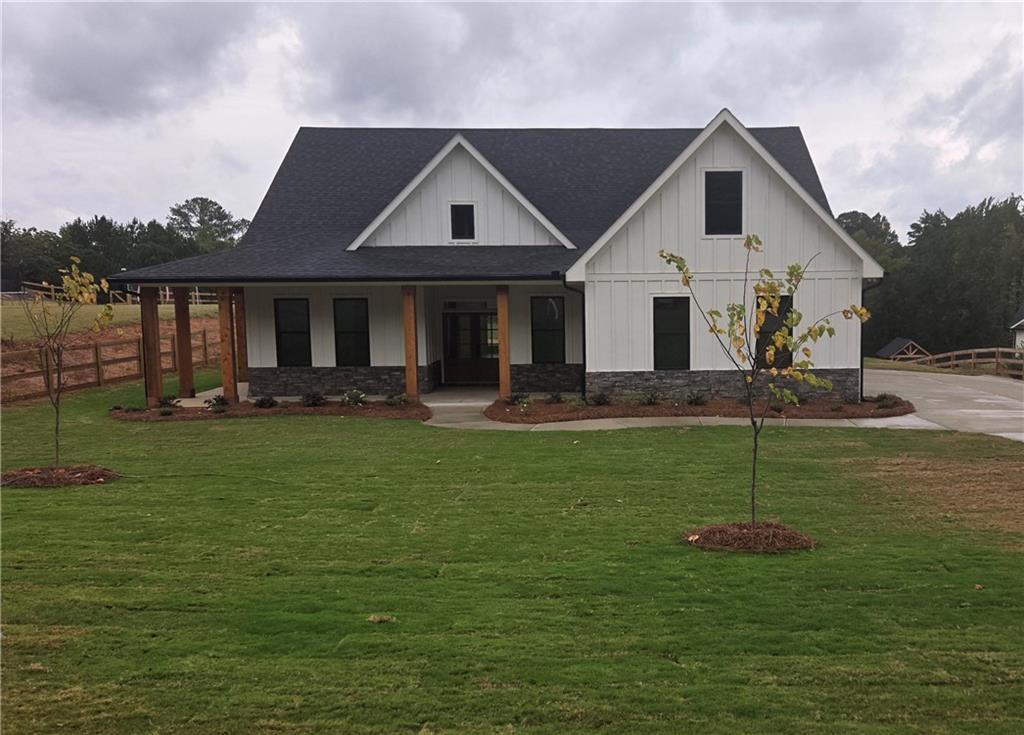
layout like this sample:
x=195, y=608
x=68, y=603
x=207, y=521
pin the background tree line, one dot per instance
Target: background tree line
x=193, y=227
x=957, y=282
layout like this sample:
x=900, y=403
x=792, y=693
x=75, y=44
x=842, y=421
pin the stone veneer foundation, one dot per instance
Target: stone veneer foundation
x=676, y=384
x=550, y=378
x=372, y=380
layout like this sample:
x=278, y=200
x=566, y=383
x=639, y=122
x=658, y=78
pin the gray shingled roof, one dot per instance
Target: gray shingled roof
x=334, y=181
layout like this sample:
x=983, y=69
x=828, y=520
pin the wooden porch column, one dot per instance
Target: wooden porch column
x=151, y=368
x=412, y=382
x=504, y=354
x=183, y=341
x=227, y=344
x=241, y=345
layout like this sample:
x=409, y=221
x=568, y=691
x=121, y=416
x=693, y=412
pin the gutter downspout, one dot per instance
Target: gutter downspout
x=583, y=319
x=863, y=290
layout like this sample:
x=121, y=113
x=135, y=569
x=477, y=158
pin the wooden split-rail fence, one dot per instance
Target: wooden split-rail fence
x=999, y=360
x=165, y=295
x=94, y=364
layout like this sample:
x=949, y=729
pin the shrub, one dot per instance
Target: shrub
x=554, y=397
x=887, y=400
x=397, y=399
x=518, y=399
x=695, y=398
x=577, y=402
x=353, y=398
x=166, y=411
x=168, y=402
x=265, y=402
x=837, y=407
x=777, y=406
x=217, y=400
x=218, y=407
x=650, y=398
x=599, y=399
x=314, y=400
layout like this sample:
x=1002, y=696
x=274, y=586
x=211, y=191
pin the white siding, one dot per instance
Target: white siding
x=387, y=344
x=627, y=273
x=423, y=218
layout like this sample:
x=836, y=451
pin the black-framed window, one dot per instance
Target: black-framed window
x=351, y=332
x=671, y=333
x=772, y=324
x=463, y=222
x=291, y=329
x=723, y=202
x=547, y=327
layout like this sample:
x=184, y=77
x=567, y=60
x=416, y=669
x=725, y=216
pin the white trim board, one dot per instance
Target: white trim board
x=458, y=140
x=578, y=270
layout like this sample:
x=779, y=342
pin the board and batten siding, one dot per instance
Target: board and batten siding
x=423, y=218
x=623, y=278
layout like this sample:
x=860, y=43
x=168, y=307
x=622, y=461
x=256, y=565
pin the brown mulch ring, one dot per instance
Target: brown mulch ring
x=767, y=537
x=370, y=409
x=82, y=474
x=539, y=412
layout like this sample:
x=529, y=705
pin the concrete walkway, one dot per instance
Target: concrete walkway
x=983, y=404
x=464, y=409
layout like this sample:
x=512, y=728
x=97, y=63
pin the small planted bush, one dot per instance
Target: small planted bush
x=167, y=411
x=314, y=400
x=650, y=398
x=554, y=397
x=265, y=402
x=696, y=398
x=353, y=397
x=518, y=399
x=217, y=402
x=168, y=402
x=599, y=399
x=397, y=399
x=887, y=400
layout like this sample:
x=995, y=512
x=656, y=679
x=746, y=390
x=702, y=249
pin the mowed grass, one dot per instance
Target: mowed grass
x=536, y=581
x=14, y=323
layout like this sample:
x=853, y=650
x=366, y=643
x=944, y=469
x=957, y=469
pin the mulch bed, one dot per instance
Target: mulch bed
x=539, y=412
x=82, y=474
x=764, y=538
x=371, y=409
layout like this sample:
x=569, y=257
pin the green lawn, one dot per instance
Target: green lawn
x=536, y=581
x=15, y=325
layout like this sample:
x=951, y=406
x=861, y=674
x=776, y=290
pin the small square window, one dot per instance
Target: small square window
x=723, y=202
x=463, y=222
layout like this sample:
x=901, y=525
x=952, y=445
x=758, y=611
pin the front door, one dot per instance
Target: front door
x=470, y=348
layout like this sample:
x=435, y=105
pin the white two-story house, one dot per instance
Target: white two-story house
x=400, y=260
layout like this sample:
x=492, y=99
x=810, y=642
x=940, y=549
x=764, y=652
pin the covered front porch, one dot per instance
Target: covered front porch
x=381, y=339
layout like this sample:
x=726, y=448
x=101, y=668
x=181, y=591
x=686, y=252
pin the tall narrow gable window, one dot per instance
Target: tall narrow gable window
x=463, y=221
x=291, y=329
x=547, y=326
x=671, y=333
x=772, y=324
x=723, y=202
x=351, y=332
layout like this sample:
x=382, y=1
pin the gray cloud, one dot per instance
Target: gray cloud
x=124, y=109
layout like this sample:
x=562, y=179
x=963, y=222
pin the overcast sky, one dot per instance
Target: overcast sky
x=123, y=110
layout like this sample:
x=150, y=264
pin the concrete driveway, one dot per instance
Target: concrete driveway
x=976, y=403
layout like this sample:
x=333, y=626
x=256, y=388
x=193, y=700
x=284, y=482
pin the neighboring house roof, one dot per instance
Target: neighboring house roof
x=334, y=182
x=900, y=345
x=1018, y=319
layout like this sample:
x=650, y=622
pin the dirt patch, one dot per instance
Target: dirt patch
x=539, y=412
x=983, y=493
x=58, y=476
x=763, y=538
x=371, y=409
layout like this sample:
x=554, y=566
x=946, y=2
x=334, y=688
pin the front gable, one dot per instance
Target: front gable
x=459, y=175
x=670, y=215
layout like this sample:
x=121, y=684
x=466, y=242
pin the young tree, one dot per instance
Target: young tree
x=764, y=341
x=51, y=320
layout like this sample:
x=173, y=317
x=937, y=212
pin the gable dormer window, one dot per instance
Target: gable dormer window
x=723, y=202
x=463, y=221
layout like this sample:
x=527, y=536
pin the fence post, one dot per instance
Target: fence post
x=206, y=350
x=974, y=359
x=97, y=349
x=999, y=354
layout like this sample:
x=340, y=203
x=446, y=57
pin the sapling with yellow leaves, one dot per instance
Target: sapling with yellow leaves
x=51, y=316
x=763, y=342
